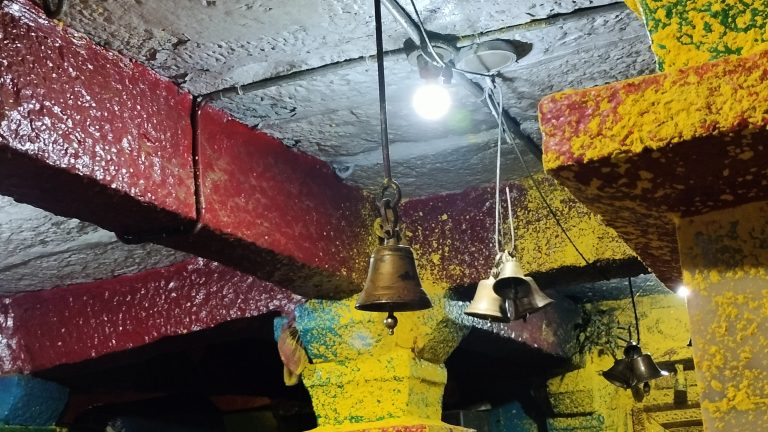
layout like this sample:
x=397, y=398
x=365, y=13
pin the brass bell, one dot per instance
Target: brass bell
x=486, y=304
x=511, y=278
x=528, y=299
x=393, y=284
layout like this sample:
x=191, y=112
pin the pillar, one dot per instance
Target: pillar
x=30, y=404
x=676, y=164
x=362, y=379
x=724, y=255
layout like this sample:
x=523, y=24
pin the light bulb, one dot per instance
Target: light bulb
x=431, y=101
x=683, y=291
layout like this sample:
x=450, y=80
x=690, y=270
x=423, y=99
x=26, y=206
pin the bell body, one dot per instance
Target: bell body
x=511, y=278
x=486, y=304
x=645, y=369
x=393, y=284
x=620, y=374
x=528, y=299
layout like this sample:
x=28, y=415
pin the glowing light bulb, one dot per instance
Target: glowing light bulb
x=683, y=291
x=431, y=101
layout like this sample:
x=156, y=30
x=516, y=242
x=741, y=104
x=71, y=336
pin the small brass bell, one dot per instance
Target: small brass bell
x=528, y=299
x=486, y=304
x=393, y=284
x=511, y=278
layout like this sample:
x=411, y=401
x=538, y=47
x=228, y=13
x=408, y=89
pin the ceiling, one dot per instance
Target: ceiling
x=204, y=45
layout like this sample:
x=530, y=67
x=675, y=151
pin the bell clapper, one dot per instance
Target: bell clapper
x=390, y=322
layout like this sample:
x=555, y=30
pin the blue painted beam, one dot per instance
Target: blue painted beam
x=29, y=401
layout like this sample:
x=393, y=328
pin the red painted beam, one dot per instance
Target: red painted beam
x=69, y=324
x=452, y=235
x=86, y=133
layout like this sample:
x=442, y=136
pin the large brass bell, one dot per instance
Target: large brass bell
x=511, y=278
x=393, y=284
x=486, y=304
x=528, y=299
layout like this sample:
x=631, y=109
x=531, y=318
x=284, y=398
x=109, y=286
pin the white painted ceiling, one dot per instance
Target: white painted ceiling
x=205, y=45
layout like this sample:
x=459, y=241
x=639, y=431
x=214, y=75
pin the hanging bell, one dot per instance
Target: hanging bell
x=393, y=284
x=486, y=304
x=528, y=299
x=633, y=369
x=511, y=278
x=645, y=369
x=620, y=374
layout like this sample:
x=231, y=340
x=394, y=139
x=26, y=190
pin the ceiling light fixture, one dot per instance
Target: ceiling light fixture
x=393, y=283
x=431, y=101
x=683, y=291
x=636, y=368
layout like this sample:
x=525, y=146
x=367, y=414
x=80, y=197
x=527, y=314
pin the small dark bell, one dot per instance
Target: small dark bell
x=528, y=299
x=390, y=322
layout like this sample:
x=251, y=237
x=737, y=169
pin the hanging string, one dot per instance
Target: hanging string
x=498, y=174
x=511, y=224
x=634, y=309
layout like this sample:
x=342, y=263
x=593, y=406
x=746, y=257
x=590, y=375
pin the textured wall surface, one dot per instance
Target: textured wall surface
x=79, y=322
x=685, y=33
x=725, y=261
x=452, y=234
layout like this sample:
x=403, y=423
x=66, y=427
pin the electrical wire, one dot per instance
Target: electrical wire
x=498, y=178
x=511, y=223
x=436, y=60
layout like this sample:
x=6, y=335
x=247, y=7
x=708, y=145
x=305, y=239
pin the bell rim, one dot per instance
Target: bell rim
x=421, y=303
x=488, y=317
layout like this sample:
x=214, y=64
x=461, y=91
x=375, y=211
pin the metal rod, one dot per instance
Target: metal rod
x=634, y=309
x=382, y=91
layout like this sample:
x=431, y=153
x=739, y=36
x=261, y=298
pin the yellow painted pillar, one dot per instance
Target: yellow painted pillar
x=724, y=255
x=362, y=379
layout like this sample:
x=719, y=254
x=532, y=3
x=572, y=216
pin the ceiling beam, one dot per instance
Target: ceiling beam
x=70, y=324
x=85, y=133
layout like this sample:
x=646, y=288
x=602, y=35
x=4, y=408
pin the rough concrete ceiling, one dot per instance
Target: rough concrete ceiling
x=206, y=46
x=41, y=250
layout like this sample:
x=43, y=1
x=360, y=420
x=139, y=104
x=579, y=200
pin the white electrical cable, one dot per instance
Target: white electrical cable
x=498, y=176
x=511, y=224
